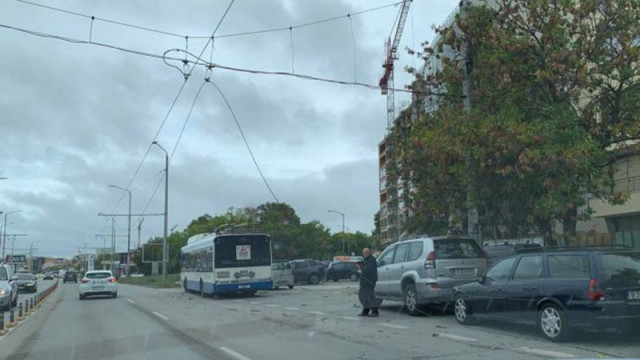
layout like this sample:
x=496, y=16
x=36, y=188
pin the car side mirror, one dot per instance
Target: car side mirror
x=482, y=279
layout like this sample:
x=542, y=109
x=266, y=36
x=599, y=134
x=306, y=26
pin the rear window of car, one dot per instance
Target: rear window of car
x=25, y=277
x=457, y=249
x=568, y=266
x=100, y=275
x=620, y=266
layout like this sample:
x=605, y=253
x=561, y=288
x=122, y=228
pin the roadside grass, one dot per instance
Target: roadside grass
x=154, y=281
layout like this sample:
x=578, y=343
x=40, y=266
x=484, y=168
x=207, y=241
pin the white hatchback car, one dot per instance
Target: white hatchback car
x=98, y=282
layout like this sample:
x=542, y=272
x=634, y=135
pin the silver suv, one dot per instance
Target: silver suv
x=8, y=288
x=423, y=270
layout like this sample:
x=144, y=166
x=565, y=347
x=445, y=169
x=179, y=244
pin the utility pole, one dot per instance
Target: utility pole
x=113, y=240
x=139, y=230
x=165, y=250
x=128, y=227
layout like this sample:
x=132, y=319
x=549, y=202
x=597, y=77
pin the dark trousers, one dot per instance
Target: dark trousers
x=367, y=297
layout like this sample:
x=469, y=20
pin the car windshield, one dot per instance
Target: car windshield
x=457, y=249
x=25, y=277
x=3, y=274
x=621, y=265
x=98, y=275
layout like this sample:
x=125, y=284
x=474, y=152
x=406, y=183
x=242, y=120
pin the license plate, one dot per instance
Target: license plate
x=463, y=272
x=633, y=295
x=244, y=286
x=97, y=288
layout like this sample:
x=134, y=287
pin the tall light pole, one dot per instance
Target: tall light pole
x=165, y=250
x=4, y=231
x=128, y=226
x=343, y=235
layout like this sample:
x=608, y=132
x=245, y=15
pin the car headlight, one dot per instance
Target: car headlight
x=3, y=291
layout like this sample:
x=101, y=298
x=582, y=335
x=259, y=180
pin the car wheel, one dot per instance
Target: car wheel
x=290, y=286
x=462, y=310
x=14, y=303
x=335, y=279
x=552, y=322
x=314, y=279
x=353, y=277
x=115, y=295
x=82, y=297
x=411, y=300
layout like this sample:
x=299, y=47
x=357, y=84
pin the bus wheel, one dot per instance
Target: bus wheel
x=201, y=288
x=184, y=285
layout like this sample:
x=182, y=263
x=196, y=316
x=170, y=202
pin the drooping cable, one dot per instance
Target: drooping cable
x=246, y=142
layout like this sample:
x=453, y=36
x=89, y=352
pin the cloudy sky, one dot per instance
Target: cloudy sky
x=77, y=117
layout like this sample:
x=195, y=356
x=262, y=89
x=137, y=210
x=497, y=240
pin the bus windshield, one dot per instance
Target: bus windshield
x=242, y=251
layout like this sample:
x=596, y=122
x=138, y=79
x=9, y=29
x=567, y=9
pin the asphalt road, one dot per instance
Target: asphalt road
x=308, y=322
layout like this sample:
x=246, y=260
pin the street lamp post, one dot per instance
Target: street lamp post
x=165, y=250
x=343, y=235
x=128, y=227
x=4, y=231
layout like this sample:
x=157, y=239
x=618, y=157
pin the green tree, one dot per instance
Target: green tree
x=554, y=86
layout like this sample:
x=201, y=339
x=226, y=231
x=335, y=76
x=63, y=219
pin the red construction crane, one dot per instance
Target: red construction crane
x=391, y=49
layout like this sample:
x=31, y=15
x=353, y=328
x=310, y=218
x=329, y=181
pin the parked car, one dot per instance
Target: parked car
x=49, y=276
x=98, y=282
x=496, y=252
x=70, y=276
x=282, y=274
x=27, y=282
x=424, y=270
x=307, y=270
x=557, y=290
x=8, y=288
x=343, y=270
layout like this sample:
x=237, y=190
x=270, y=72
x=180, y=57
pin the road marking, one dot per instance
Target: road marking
x=351, y=318
x=254, y=303
x=292, y=308
x=160, y=315
x=131, y=301
x=394, y=326
x=317, y=312
x=545, y=353
x=456, y=337
x=234, y=354
x=273, y=305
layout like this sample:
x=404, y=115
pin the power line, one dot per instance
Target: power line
x=244, y=138
x=244, y=33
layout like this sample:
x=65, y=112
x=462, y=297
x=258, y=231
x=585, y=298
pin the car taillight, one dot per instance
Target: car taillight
x=435, y=286
x=430, y=262
x=84, y=281
x=594, y=293
x=112, y=280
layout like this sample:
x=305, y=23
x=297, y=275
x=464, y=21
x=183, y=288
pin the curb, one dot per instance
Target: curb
x=31, y=304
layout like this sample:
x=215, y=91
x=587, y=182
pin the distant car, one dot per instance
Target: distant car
x=307, y=270
x=8, y=288
x=343, y=270
x=48, y=277
x=424, y=270
x=98, y=282
x=70, y=276
x=558, y=290
x=27, y=282
x=497, y=252
x=282, y=274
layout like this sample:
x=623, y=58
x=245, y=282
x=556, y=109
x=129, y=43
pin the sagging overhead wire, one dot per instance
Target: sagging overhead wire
x=246, y=142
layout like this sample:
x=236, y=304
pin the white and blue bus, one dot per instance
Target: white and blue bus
x=226, y=263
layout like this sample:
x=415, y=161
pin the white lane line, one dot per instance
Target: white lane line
x=131, y=301
x=544, y=353
x=317, y=312
x=394, y=326
x=160, y=315
x=456, y=337
x=273, y=305
x=234, y=354
x=351, y=318
x=254, y=303
x=292, y=308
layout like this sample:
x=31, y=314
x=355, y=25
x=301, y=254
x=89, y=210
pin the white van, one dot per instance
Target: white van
x=282, y=274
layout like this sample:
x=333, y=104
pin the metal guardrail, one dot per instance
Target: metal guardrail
x=630, y=184
x=24, y=308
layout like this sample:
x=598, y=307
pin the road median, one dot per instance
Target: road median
x=153, y=281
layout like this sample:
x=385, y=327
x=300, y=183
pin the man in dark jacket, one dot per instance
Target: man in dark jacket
x=368, y=279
